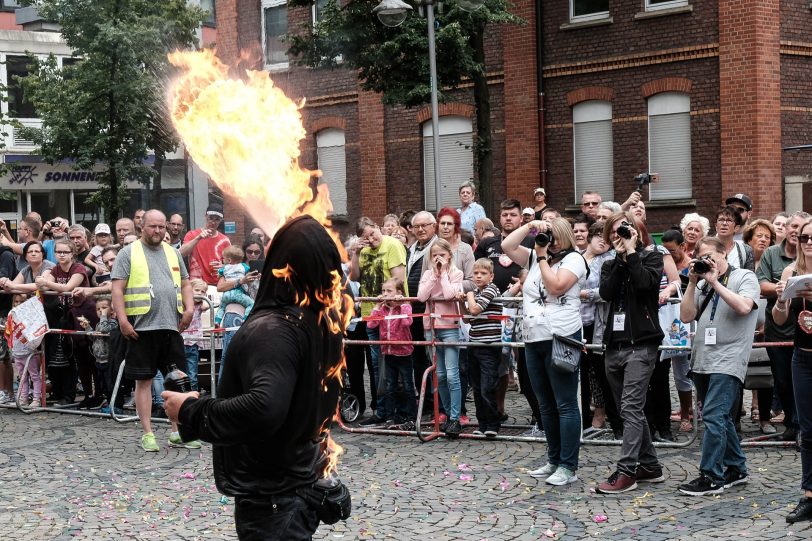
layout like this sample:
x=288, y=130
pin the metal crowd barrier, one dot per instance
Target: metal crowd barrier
x=772, y=440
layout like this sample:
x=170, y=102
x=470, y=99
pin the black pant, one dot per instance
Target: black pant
x=527, y=387
x=356, y=359
x=781, y=364
x=420, y=362
x=658, y=398
x=283, y=517
x=483, y=373
x=61, y=366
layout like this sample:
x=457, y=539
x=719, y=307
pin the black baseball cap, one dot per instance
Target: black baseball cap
x=215, y=209
x=744, y=199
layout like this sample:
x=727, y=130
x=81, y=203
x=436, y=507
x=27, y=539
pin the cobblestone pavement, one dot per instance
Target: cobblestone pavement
x=69, y=477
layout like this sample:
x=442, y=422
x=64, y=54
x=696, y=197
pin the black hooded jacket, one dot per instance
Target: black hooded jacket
x=266, y=424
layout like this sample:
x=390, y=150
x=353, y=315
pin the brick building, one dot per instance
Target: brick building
x=705, y=93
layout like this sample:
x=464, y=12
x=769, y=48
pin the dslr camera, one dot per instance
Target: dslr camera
x=625, y=230
x=702, y=264
x=543, y=239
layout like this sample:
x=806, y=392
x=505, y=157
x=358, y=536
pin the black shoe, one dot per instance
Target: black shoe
x=95, y=402
x=453, y=428
x=491, y=433
x=664, y=435
x=701, y=486
x=158, y=412
x=734, y=477
x=373, y=421
x=85, y=403
x=802, y=511
x=789, y=434
x=504, y=417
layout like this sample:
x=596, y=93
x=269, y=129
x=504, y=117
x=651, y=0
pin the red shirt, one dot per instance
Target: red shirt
x=205, y=251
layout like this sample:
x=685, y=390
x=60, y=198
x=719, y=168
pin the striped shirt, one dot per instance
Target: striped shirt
x=485, y=329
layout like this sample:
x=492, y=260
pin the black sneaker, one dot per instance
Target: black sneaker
x=453, y=428
x=701, y=486
x=491, y=433
x=802, y=511
x=649, y=474
x=373, y=421
x=665, y=435
x=85, y=403
x=409, y=426
x=734, y=477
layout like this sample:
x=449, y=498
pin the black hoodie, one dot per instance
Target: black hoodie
x=266, y=424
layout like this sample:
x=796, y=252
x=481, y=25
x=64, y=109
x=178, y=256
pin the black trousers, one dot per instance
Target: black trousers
x=483, y=371
x=285, y=517
x=420, y=362
x=356, y=360
x=527, y=387
x=658, y=398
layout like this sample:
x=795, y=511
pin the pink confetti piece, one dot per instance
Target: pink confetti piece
x=397, y=482
x=600, y=518
x=464, y=467
x=466, y=477
x=446, y=473
x=504, y=484
x=549, y=533
x=188, y=475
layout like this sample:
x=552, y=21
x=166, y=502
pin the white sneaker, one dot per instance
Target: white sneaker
x=545, y=471
x=533, y=433
x=4, y=397
x=562, y=476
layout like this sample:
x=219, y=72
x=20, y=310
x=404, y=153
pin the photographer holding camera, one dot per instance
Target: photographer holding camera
x=630, y=283
x=724, y=300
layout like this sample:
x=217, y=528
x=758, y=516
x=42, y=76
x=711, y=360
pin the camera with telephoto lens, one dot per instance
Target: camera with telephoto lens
x=543, y=239
x=625, y=230
x=702, y=264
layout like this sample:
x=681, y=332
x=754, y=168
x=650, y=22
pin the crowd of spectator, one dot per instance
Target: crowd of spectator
x=598, y=277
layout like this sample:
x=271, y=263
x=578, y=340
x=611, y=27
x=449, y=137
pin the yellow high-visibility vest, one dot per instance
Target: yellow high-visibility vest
x=138, y=293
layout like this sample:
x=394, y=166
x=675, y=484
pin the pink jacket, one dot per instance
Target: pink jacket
x=446, y=286
x=394, y=329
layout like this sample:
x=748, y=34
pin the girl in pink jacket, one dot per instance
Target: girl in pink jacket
x=443, y=281
x=394, y=318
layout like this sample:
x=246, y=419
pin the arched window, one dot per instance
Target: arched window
x=592, y=149
x=332, y=160
x=456, y=160
x=669, y=145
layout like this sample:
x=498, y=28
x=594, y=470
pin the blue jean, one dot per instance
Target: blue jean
x=376, y=380
x=802, y=380
x=229, y=320
x=192, y=362
x=448, y=371
x=400, y=405
x=721, y=449
x=557, y=394
x=781, y=364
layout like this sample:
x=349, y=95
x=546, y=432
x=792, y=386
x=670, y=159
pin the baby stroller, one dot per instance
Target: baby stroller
x=349, y=406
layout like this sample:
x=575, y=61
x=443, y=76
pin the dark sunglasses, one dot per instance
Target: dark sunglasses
x=252, y=252
x=804, y=239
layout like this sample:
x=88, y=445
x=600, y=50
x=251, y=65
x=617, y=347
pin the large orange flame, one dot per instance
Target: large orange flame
x=245, y=133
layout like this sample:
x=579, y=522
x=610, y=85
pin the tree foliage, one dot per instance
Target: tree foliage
x=395, y=61
x=109, y=107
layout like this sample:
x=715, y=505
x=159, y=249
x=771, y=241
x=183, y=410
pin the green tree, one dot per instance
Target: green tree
x=395, y=61
x=109, y=107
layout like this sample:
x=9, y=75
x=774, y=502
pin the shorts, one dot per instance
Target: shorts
x=154, y=351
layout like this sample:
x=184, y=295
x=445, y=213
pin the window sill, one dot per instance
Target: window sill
x=586, y=24
x=282, y=66
x=663, y=12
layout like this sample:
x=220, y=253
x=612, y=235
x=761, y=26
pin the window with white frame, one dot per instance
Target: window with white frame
x=654, y=5
x=318, y=9
x=585, y=10
x=18, y=105
x=456, y=160
x=332, y=161
x=669, y=145
x=593, y=152
x=274, y=29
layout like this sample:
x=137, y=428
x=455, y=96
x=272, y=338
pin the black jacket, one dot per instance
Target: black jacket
x=639, y=278
x=278, y=392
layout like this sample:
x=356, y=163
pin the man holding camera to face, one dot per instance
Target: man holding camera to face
x=723, y=303
x=630, y=283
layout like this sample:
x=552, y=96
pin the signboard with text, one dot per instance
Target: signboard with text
x=43, y=176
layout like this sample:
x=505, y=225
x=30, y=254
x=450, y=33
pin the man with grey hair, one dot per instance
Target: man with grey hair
x=606, y=209
x=470, y=211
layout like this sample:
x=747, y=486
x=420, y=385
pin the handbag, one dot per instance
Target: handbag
x=566, y=353
x=676, y=332
x=330, y=498
x=759, y=372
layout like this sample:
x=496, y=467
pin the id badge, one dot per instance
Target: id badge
x=619, y=322
x=710, y=336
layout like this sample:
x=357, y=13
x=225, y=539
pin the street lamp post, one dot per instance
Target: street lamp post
x=392, y=13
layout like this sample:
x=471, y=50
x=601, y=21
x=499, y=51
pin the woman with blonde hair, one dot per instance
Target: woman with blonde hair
x=693, y=227
x=552, y=301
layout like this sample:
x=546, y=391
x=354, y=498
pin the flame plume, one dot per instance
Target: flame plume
x=245, y=133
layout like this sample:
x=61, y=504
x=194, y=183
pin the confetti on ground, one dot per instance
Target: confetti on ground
x=188, y=475
x=600, y=518
x=466, y=477
x=464, y=467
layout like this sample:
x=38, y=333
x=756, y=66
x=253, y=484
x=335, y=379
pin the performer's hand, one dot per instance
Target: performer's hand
x=173, y=401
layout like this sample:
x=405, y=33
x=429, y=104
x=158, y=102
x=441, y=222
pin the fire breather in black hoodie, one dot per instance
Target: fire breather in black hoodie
x=275, y=396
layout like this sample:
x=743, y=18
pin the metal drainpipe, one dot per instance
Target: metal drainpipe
x=540, y=97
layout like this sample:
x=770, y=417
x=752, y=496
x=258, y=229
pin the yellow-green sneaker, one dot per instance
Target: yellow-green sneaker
x=149, y=444
x=176, y=441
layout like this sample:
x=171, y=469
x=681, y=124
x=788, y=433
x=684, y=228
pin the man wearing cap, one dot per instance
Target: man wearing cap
x=539, y=203
x=204, y=247
x=527, y=215
x=744, y=206
x=470, y=211
x=94, y=257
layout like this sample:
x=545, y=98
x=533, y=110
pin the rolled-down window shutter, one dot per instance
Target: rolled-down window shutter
x=332, y=159
x=669, y=135
x=456, y=160
x=592, y=149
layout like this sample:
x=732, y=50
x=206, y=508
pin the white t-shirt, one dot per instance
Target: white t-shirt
x=544, y=313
